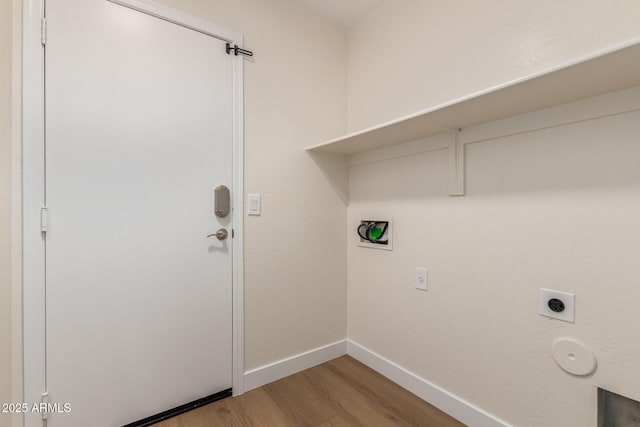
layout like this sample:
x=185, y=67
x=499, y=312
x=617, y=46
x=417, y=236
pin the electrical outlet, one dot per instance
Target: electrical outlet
x=557, y=305
x=422, y=277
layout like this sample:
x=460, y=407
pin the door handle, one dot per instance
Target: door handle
x=221, y=234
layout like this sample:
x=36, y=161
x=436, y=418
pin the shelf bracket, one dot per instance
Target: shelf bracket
x=456, y=165
x=335, y=169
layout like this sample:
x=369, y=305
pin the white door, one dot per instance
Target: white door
x=138, y=135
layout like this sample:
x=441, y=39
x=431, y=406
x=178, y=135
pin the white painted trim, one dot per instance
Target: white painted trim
x=238, y=225
x=283, y=368
x=431, y=393
x=423, y=145
x=32, y=290
x=17, y=379
x=32, y=200
x=456, y=165
x=610, y=104
x=449, y=403
x=630, y=43
x=334, y=168
x=183, y=19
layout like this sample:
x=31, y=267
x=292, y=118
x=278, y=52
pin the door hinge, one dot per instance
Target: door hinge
x=44, y=405
x=43, y=31
x=237, y=50
x=44, y=220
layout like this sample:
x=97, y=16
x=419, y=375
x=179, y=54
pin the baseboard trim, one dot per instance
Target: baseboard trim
x=453, y=405
x=283, y=368
x=447, y=402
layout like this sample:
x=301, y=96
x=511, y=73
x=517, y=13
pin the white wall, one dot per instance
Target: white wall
x=411, y=54
x=5, y=207
x=553, y=208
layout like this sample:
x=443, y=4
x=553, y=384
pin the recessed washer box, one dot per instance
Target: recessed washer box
x=375, y=232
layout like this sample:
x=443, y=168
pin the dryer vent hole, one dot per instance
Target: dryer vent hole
x=615, y=410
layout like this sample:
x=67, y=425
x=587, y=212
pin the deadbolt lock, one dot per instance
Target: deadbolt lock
x=222, y=202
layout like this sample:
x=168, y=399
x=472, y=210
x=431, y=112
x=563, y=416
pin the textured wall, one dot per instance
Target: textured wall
x=411, y=54
x=553, y=208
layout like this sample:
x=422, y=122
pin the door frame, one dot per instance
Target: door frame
x=33, y=192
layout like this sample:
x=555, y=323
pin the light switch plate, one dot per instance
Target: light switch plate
x=422, y=279
x=569, y=301
x=255, y=204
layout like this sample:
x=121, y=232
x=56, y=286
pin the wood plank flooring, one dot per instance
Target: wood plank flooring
x=339, y=393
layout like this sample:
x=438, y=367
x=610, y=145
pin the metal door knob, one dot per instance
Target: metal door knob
x=221, y=234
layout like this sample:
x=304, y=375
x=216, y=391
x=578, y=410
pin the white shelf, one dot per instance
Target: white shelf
x=608, y=71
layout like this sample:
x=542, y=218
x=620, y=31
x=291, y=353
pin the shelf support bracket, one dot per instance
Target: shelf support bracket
x=335, y=169
x=456, y=165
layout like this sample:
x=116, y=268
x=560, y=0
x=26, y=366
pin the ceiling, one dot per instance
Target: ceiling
x=345, y=12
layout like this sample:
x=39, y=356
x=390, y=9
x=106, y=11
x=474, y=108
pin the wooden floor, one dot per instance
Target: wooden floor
x=342, y=392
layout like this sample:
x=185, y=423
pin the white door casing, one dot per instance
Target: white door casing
x=99, y=201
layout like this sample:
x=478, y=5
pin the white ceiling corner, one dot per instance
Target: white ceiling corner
x=345, y=12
